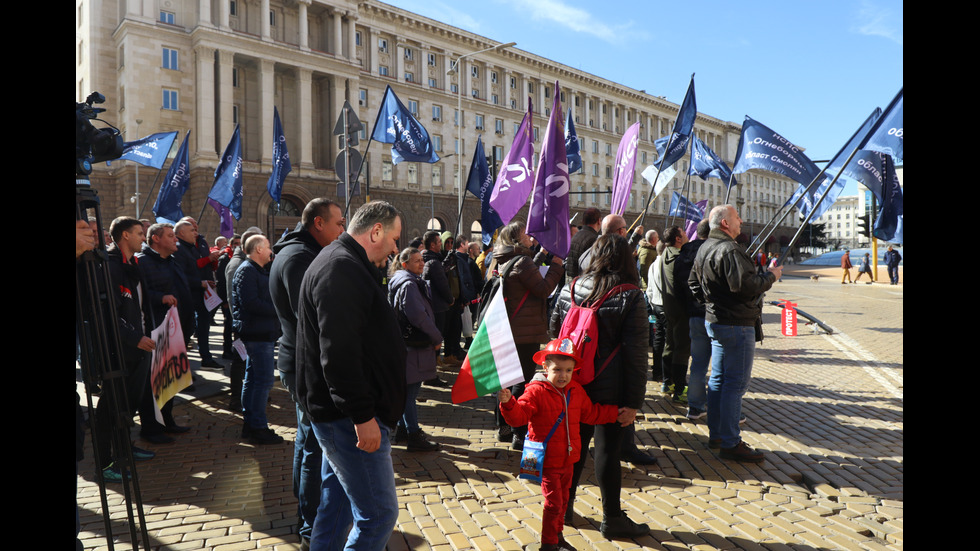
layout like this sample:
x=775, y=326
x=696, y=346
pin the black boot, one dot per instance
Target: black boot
x=418, y=443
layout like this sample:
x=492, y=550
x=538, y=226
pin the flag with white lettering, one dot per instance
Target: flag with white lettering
x=625, y=168
x=887, y=137
x=547, y=220
x=760, y=147
x=891, y=216
x=396, y=125
x=707, y=164
x=151, y=150
x=480, y=184
x=516, y=176
x=280, y=158
x=168, y=205
x=681, y=206
x=227, y=188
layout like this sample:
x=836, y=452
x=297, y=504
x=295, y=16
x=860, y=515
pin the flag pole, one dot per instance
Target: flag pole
x=150, y=192
x=813, y=210
x=351, y=185
x=687, y=181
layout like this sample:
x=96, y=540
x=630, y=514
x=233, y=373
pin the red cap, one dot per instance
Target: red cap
x=560, y=347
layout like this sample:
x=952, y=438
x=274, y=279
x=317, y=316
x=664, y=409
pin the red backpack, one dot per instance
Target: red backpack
x=582, y=327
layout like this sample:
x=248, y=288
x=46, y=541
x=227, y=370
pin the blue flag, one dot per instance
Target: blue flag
x=707, y=164
x=480, y=184
x=760, y=147
x=671, y=148
x=396, y=125
x=887, y=136
x=167, y=208
x=868, y=167
x=681, y=206
x=280, y=159
x=227, y=187
x=888, y=225
x=151, y=150
x=572, y=145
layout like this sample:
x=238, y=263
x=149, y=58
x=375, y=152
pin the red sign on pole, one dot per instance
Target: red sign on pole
x=789, y=318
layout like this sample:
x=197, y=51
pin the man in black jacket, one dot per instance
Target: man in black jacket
x=582, y=241
x=725, y=280
x=195, y=258
x=434, y=272
x=133, y=322
x=350, y=378
x=322, y=222
x=166, y=286
x=236, y=371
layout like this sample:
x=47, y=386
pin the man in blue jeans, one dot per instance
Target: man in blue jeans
x=350, y=379
x=256, y=323
x=321, y=223
x=725, y=280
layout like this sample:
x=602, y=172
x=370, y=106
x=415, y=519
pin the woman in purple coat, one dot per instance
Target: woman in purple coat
x=409, y=295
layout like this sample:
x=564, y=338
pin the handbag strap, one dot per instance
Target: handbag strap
x=558, y=421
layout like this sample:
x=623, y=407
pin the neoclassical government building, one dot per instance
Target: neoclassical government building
x=205, y=66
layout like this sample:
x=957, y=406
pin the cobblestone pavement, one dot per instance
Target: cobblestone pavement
x=827, y=410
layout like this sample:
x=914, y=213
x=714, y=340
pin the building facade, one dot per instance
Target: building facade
x=205, y=66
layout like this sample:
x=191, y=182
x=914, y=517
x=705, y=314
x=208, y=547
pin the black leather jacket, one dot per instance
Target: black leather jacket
x=623, y=322
x=725, y=280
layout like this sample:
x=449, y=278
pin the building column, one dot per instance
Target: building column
x=351, y=37
x=336, y=108
x=338, y=34
x=304, y=25
x=371, y=50
x=304, y=104
x=399, y=68
x=226, y=96
x=204, y=91
x=204, y=13
x=224, y=15
x=266, y=26
x=267, y=75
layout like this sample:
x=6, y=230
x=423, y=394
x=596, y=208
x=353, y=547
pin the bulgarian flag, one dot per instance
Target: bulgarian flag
x=491, y=363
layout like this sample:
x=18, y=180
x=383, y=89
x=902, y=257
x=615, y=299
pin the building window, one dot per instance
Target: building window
x=608, y=171
x=474, y=71
x=382, y=70
x=383, y=44
x=498, y=126
x=409, y=77
x=437, y=142
x=433, y=83
x=387, y=172
x=362, y=97
x=170, y=59
x=233, y=8
x=513, y=104
x=432, y=60
x=493, y=77
x=479, y=122
x=530, y=87
x=167, y=17
x=436, y=176
x=272, y=18
x=234, y=114
x=234, y=77
x=495, y=99
x=595, y=169
x=608, y=149
x=453, y=88
x=498, y=152
x=357, y=38
x=408, y=53
x=170, y=100
x=413, y=173
x=413, y=107
x=595, y=146
x=437, y=113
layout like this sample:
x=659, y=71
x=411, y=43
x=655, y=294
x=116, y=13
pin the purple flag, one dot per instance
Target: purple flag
x=227, y=223
x=625, y=166
x=516, y=174
x=548, y=218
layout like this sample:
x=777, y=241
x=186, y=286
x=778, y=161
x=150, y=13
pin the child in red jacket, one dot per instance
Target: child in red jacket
x=544, y=399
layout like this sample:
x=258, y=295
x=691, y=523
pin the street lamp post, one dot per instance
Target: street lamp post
x=459, y=123
x=136, y=196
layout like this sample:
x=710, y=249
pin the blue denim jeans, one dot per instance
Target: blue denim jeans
x=700, y=358
x=410, y=419
x=732, y=350
x=358, y=487
x=259, y=376
x=307, y=462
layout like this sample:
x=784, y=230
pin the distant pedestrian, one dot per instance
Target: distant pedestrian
x=892, y=258
x=865, y=268
x=845, y=264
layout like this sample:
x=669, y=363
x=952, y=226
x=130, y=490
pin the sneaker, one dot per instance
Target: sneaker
x=517, y=442
x=418, y=443
x=694, y=413
x=264, y=436
x=505, y=434
x=680, y=398
x=436, y=382
x=622, y=527
x=401, y=434
x=667, y=388
x=140, y=454
x=742, y=452
x=637, y=457
x=112, y=474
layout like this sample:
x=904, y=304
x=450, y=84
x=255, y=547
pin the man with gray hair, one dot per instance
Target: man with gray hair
x=725, y=280
x=350, y=379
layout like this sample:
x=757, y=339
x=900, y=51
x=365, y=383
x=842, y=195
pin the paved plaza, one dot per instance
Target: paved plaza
x=827, y=410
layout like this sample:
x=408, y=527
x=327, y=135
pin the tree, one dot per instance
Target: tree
x=817, y=238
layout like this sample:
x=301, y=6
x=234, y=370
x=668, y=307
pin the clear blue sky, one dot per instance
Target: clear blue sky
x=812, y=71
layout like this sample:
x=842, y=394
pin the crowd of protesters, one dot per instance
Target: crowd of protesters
x=362, y=324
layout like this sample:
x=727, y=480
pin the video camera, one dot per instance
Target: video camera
x=93, y=145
